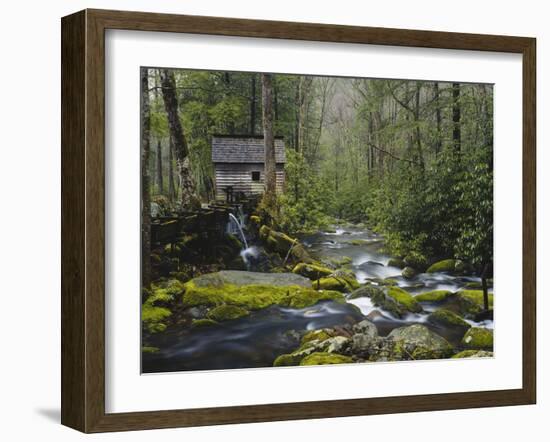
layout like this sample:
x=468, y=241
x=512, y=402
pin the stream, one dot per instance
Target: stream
x=257, y=339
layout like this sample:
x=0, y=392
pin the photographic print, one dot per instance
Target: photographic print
x=298, y=220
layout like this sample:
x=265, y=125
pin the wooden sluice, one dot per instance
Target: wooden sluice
x=210, y=221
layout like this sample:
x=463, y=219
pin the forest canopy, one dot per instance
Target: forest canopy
x=412, y=160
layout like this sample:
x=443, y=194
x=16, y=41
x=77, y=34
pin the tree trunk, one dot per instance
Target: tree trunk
x=270, y=175
x=456, y=118
x=438, y=144
x=145, y=181
x=160, y=179
x=252, y=124
x=188, y=198
x=171, y=186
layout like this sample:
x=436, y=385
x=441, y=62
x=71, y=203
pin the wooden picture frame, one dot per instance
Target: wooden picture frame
x=83, y=220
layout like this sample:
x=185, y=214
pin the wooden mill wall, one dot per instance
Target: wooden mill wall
x=239, y=176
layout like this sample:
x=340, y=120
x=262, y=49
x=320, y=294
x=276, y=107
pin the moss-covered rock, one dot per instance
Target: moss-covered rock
x=471, y=301
x=404, y=298
x=311, y=271
x=473, y=354
x=215, y=291
x=389, y=281
x=416, y=261
x=446, y=318
x=418, y=342
x=321, y=358
x=339, y=261
x=203, y=322
x=408, y=273
x=287, y=360
x=294, y=358
x=226, y=313
x=147, y=349
x=316, y=335
x=341, y=280
x=478, y=338
x=446, y=266
x=367, y=290
x=284, y=245
x=396, y=262
x=433, y=296
x=155, y=310
x=255, y=220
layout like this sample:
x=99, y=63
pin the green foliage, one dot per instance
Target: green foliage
x=305, y=204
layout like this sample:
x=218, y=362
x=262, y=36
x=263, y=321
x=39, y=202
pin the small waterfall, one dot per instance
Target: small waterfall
x=239, y=229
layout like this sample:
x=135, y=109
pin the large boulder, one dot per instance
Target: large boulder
x=467, y=303
x=478, y=338
x=445, y=266
x=447, y=318
x=395, y=301
x=418, y=342
x=240, y=278
x=253, y=290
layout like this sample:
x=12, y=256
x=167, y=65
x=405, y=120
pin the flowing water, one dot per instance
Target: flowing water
x=256, y=340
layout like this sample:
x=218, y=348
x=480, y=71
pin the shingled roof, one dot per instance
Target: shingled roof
x=244, y=149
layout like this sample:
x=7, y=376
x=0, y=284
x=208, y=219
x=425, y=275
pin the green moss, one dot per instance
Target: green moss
x=473, y=354
x=404, y=298
x=478, y=338
x=147, y=349
x=311, y=271
x=203, y=322
x=368, y=290
x=226, y=313
x=315, y=335
x=173, y=287
x=256, y=220
x=433, y=296
x=337, y=283
x=287, y=360
x=447, y=318
x=340, y=261
x=408, y=273
x=255, y=297
x=470, y=302
x=153, y=315
x=321, y=358
x=389, y=281
x=447, y=265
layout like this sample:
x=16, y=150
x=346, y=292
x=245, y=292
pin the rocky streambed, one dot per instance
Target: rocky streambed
x=335, y=297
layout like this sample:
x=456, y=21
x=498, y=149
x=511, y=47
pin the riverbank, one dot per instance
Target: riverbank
x=329, y=297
